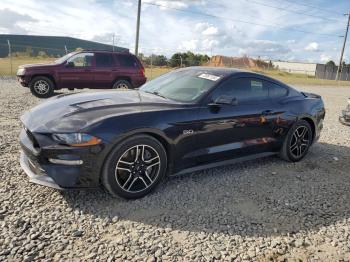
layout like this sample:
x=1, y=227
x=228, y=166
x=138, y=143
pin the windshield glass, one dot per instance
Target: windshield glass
x=182, y=85
x=63, y=58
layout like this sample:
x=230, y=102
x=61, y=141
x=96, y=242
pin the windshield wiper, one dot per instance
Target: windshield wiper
x=156, y=93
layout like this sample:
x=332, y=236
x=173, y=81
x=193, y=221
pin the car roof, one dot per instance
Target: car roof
x=224, y=71
x=215, y=70
x=105, y=51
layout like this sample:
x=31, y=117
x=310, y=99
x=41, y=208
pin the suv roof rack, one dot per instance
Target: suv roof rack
x=110, y=51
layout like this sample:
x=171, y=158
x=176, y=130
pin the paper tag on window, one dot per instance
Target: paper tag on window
x=209, y=77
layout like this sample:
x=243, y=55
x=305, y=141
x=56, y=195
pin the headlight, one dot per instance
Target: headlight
x=21, y=71
x=77, y=139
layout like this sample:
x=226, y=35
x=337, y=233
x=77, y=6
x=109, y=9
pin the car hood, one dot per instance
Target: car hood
x=73, y=112
x=28, y=66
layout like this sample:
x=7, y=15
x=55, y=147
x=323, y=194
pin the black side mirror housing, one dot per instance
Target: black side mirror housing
x=70, y=64
x=224, y=100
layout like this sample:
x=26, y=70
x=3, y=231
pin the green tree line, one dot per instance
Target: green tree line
x=176, y=60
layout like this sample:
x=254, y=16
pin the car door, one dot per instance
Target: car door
x=77, y=72
x=103, y=71
x=227, y=131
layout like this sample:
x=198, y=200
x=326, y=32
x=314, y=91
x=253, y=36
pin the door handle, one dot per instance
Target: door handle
x=267, y=112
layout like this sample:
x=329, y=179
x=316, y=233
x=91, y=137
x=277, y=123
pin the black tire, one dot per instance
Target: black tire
x=122, y=84
x=141, y=180
x=42, y=87
x=295, y=147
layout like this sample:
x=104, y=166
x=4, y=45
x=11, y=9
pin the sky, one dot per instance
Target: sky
x=293, y=30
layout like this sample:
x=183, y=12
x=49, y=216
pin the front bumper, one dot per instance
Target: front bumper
x=23, y=80
x=344, y=118
x=45, y=165
x=42, y=178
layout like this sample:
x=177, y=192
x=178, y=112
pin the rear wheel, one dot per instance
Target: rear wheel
x=298, y=141
x=41, y=87
x=135, y=167
x=122, y=84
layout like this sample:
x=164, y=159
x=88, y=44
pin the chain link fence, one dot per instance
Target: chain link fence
x=155, y=65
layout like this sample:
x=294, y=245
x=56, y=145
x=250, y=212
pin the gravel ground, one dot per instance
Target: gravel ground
x=254, y=211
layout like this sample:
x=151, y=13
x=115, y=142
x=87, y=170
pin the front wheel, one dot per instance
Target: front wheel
x=297, y=143
x=135, y=167
x=41, y=87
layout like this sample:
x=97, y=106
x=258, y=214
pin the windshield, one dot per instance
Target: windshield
x=182, y=85
x=64, y=58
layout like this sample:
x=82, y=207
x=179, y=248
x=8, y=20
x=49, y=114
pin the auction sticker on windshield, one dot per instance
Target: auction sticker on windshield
x=209, y=77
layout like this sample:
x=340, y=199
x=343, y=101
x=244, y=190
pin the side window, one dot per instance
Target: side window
x=276, y=90
x=243, y=89
x=127, y=61
x=104, y=60
x=81, y=59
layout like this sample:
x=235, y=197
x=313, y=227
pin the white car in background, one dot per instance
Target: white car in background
x=345, y=116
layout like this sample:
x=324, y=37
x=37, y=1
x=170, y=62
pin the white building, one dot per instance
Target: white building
x=296, y=67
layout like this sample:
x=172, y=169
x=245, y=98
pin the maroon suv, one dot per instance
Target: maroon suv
x=84, y=69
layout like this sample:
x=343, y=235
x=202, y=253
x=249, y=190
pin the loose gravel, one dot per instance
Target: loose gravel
x=263, y=210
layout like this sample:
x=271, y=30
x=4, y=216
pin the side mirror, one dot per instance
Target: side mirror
x=70, y=64
x=224, y=100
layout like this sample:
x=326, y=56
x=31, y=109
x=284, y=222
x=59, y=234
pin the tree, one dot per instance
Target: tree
x=330, y=63
x=155, y=60
x=29, y=51
x=42, y=54
x=188, y=59
x=175, y=60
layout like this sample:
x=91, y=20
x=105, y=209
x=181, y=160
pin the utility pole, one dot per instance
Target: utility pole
x=342, y=50
x=137, y=28
x=10, y=55
x=113, y=41
x=151, y=66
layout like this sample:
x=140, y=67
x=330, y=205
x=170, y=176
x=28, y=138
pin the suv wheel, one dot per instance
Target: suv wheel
x=122, y=84
x=41, y=87
x=297, y=143
x=135, y=167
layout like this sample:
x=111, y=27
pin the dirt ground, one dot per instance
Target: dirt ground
x=262, y=210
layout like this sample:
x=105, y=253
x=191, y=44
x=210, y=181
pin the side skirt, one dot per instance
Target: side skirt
x=223, y=163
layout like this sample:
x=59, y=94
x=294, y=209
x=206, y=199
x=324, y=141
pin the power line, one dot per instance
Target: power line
x=291, y=11
x=314, y=7
x=240, y=21
x=262, y=19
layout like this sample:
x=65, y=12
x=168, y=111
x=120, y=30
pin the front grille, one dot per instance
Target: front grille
x=32, y=138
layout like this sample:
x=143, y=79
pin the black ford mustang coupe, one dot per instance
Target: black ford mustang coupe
x=186, y=120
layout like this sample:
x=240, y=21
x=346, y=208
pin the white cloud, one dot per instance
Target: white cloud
x=165, y=30
x=13, y=21
x=212, y=30
x=191, y=45
x=325, y=58
x=312, y=47
x=168, y=3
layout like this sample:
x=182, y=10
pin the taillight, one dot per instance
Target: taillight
x=142, y=71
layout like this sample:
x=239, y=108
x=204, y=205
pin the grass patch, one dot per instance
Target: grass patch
x=289, y=78
x=5, y=65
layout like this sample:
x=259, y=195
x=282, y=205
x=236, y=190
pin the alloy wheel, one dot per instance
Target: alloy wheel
x=122, y=86
x=41, y=87
x=300, y=141
x=137, y=168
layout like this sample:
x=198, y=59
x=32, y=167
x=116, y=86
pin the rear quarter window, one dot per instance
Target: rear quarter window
x=276, y=90
x=127, y=61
